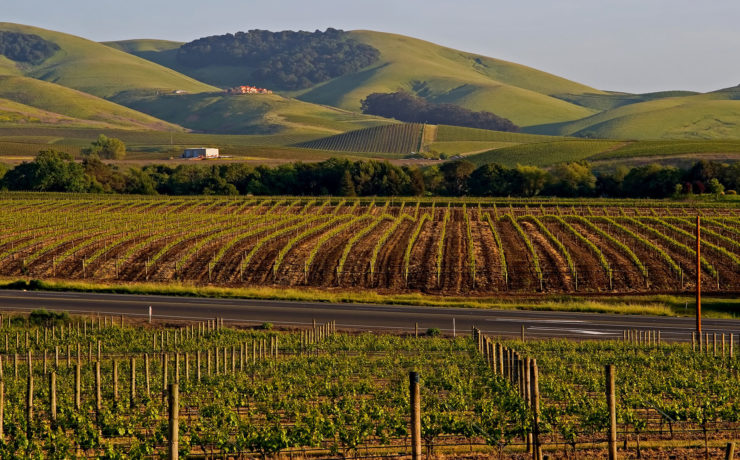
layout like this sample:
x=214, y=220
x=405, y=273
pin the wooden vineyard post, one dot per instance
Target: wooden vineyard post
x=98, y=395
x=611, y=404
x=115, y=380
x=730, y=451
x=53, y=397
x=2, y=410
x=146, y=374
x=698, y=274
x=416, y=329
x=415, y=416
x=197, y=365
x=77, y=388
x=165, y=360
x=522, y=332
x=29, y=406
x=535, y=391
x=174, y=421
x=132, y=385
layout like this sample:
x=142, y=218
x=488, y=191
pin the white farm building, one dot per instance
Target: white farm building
x=200, y=152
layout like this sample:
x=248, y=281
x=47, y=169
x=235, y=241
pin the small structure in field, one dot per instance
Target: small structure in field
x=247, y=89
x=200, y=153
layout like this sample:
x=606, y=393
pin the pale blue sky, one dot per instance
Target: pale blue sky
x=627, y=45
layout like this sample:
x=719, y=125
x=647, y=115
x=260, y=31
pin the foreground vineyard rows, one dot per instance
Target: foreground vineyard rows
x=390, y=245
x=97, y=387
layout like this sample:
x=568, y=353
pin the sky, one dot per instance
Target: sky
x=620, y=45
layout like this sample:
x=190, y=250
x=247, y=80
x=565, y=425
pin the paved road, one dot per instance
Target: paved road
x=360, y=316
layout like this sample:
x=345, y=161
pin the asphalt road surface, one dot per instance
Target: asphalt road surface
x=364, y=317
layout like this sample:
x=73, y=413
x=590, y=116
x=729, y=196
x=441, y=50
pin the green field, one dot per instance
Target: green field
x=544, y=153
x=713, y=115
x=54, y=104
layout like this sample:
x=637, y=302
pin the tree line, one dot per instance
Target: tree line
x=21, y=47
x=57, y=172
x=282, y=60
x=406, y=107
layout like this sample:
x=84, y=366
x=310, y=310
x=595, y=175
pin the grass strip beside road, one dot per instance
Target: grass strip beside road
x=655, y=305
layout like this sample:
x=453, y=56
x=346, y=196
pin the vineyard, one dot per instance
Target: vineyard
x=115, y=387
x=401, y=139
x=443, y=247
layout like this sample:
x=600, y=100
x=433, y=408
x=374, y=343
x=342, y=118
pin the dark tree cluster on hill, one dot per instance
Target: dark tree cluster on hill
x=25, y=47
x=57, y=172
x=282, y=60
x=411, y=109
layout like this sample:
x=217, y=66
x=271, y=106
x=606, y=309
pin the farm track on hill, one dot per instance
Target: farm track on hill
x=596, y=248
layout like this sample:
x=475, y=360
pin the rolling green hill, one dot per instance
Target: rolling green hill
x=540, y=102
x=714, y=115
x=440, y=74
x=97, y=69
x=249, y=114
x=45, y=102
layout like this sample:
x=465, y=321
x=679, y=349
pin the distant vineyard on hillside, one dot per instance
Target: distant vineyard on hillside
x=441, y=246
x=400, y=138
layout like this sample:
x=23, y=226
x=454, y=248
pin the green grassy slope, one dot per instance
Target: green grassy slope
x=545, y=153
x=713, y=115
x=441, y=74
x=98, y=69
x=56, y=104
x=249, y=114
x=435, y=72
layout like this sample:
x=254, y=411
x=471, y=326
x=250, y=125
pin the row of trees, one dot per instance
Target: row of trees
x=26, y=47
x=56, y=171
x=283, y=60
x=409, y=108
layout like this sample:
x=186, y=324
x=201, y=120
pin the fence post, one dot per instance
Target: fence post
x=174, y=425
x=98, y=395
x=535, y=380
x=146, y=373
x=77, y=387
x=611, y=404
x=415, y=416
x=115, y=380
x=2, y=410
x=53, y=397
x=730, y=452
x=132, y=386
x=29, y=406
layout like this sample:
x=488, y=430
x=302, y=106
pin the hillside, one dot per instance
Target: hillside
x=248, y=114
x=95, y=68
x=439, y=74
x=541, y=103
x=45, y=102
x=714, y=115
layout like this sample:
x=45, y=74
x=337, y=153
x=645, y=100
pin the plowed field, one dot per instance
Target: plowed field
x=381, y=244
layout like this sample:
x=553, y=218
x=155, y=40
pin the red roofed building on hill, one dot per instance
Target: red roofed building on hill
x=248, y=90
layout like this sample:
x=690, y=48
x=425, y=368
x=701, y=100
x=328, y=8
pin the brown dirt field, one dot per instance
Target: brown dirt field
x=489, y=273
x=686, y=263
x=626, y=276
x=659, y=274
x=357, y=265
x=422, y=263
x=323, y=270
x=555, y=270
x=522, y=276
x=389, y=278
x=389, y=270
x=455, y=276
x=590, y=273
